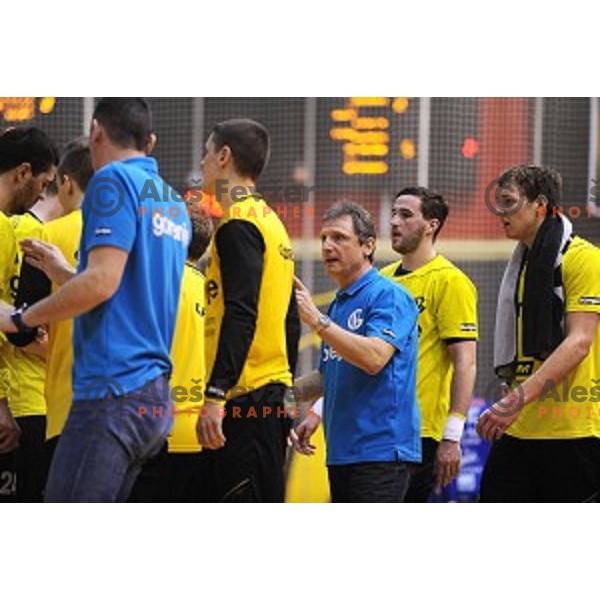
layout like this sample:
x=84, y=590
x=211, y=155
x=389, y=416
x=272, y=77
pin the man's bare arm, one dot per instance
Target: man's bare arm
x=90, y=288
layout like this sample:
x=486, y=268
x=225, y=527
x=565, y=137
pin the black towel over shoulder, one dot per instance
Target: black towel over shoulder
x=543, y=308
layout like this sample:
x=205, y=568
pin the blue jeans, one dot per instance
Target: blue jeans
x=105, y=442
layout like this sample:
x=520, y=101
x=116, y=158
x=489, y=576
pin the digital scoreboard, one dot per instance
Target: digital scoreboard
x=16, y=110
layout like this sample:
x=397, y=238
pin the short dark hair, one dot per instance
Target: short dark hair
x=127, y=121
x=52, y=188
x=76, y=162
x=249, y=143
x=433, y=204
x=362, y=221
x=534, y=181
x=27, y=145
x=202, y=230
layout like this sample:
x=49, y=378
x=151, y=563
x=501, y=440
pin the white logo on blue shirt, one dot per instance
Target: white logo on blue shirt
x=162, y=225
x=330, y=354
x=355, y=320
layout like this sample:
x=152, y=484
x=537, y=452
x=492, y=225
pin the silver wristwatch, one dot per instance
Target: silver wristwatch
x=323, y=323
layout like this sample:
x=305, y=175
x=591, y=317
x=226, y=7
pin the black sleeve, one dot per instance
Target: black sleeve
x=241, y=253
x=34, y=286
x=457, y=340
x=292, y=333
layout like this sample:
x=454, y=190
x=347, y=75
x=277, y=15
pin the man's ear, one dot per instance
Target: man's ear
x=66, y=180
x=22, y=173
x=225, y=156
x=96, y=132
x=435, y=225
x=150, y=144
x=369, y=246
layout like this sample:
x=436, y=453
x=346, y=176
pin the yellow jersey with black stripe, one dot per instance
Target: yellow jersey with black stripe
x=447, y=303
x=28, y=371
x=7, y=264
x=187, y=354
x=267, y=359
x=65, y=233
x=571, y=409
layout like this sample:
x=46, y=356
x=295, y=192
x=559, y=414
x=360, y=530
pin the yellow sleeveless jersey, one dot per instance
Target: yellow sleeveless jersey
x=7, y=266
x=447, y=303
x=188, y=358
x=572, y=408
x=187, y=354
x=28, y=371
x=267, y=359
x=66, y=234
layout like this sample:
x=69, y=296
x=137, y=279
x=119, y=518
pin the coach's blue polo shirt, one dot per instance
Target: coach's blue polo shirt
x=373, y=418
x=126, y=341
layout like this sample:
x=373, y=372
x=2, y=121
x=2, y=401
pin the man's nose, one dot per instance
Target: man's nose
x=326, y=244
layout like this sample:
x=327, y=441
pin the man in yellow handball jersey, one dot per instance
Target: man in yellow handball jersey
x=27, y=162
x=51, y=252
x=252, y=323
x=27, y=363
x=546, y=430
x=447, y=303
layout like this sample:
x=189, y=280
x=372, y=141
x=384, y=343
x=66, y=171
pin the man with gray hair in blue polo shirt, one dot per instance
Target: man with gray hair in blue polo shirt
x=367, y=368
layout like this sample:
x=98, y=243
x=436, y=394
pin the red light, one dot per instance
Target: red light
x=470, y=148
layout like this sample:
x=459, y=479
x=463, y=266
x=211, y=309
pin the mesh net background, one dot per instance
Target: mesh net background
x=366, y=149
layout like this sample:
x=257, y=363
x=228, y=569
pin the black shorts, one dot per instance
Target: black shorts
x=173, y=477
x=23, y=472
x=30, y=459
x=250, y=467
x=542, y=471
x=8, y=478
x=422, y=475
x=369, y=482
x=49, y=449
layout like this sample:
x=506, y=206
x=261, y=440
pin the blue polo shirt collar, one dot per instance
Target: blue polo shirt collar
x=146, y=163
x=359, y=284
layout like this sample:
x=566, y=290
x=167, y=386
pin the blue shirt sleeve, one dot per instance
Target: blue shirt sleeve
x=392, y=317
x=110, y=211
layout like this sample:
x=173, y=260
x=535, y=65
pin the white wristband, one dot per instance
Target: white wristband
x=317, y=407
x=454, y=427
